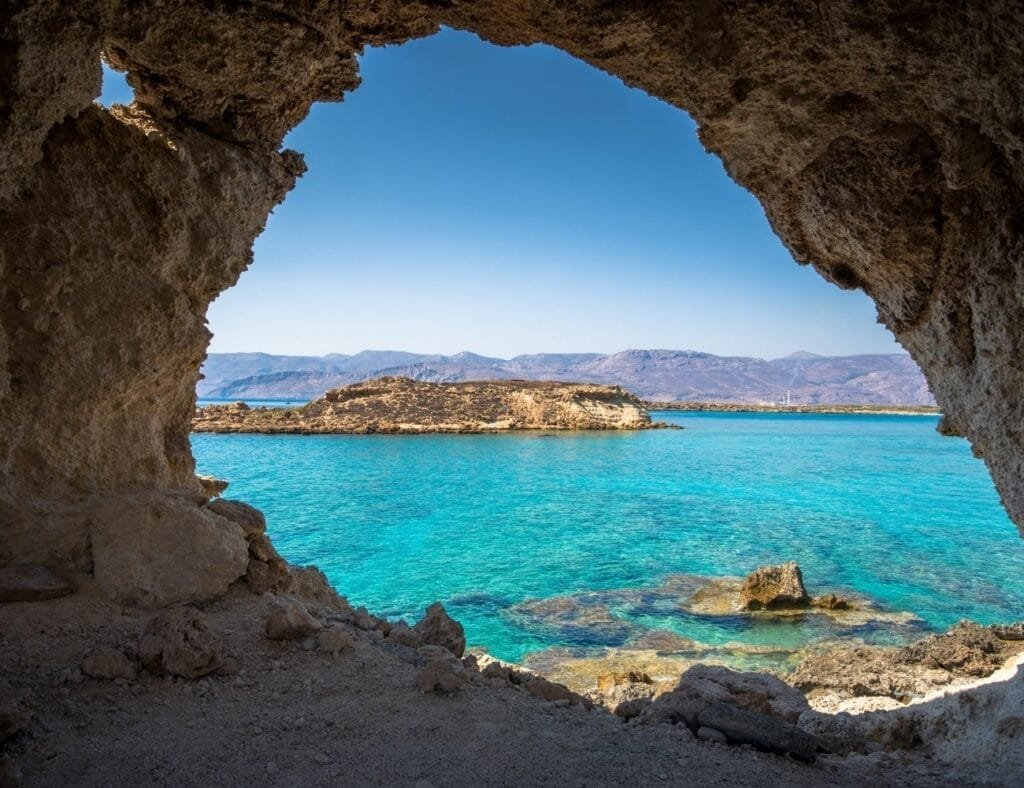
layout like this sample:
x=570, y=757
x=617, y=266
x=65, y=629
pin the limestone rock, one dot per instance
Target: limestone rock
x=405, y=635
x=334, y=640
x=249, y=518
x=968, y=650
x=704, y=685
x=110, y=663
x=31, y=583
x=774, y=588
x=441, y=676
x=311, y=585
x=763, y=731
x=831, y=602
x=443, y=671
x=179, y=641
x=631, y=709
x=266, y=570
x=289, y=620
x=439, y=629
x=211, y=486
x=156, y=550
x=548, y=690
x=403, y=405
x=616, y=688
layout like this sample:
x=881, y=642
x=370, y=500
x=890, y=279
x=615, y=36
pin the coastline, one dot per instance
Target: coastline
x=834, y=410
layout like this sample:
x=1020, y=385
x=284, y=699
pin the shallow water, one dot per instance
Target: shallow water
x=881, y=506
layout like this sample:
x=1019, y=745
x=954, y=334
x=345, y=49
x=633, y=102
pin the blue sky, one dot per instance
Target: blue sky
x=515, y=200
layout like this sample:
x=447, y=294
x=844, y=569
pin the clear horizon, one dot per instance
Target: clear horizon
x=897, y=351
x=516, y=200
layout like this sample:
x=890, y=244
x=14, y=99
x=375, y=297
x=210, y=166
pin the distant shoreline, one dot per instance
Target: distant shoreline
x=739, y=407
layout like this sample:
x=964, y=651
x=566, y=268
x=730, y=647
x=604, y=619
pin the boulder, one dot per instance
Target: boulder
x=441, y=676
x=440, y=629
x=334, y=640
x=289, y=620
x=31, y=583
x=763, y=731
x=632, y=708
x=267, y=570
x=617, y=688
x=211, y=486
x=110, y=663
x=155, y=550
x=443, y=672
x=248, y=518
x=774, y=588
x=405, y=635
x=179, y=642
x=311, y=585
x=704, y=685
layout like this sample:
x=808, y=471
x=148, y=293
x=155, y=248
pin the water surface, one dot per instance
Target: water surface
x=877, y=505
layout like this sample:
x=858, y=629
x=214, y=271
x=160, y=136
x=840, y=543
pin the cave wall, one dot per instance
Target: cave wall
x=884, y=140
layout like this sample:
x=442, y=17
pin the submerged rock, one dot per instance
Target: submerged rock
x=32, y=583
x=179, y=641
x=439, y=629
x=774, y=588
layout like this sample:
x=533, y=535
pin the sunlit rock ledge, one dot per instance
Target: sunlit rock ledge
x=402, y=405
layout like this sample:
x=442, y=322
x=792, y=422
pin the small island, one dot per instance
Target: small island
x=400, y=405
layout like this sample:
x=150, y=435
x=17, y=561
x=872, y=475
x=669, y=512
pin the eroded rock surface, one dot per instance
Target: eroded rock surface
x=155, y=550
x=774, y=588
x=180, y=642
x=402, y=405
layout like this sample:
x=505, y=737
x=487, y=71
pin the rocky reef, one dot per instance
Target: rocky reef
x=402, y=405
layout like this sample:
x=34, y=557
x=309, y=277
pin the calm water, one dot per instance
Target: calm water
x=878, y=505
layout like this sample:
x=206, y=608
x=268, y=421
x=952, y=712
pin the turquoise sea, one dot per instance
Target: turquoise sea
x=878, y=506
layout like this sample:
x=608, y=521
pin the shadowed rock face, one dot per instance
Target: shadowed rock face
x=884, y=141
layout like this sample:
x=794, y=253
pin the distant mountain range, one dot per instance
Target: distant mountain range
x=662, y=375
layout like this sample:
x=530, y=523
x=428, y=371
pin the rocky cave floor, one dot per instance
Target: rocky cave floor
x=287, y=712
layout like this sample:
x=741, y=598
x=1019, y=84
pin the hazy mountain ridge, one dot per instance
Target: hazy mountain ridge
x=651, y=374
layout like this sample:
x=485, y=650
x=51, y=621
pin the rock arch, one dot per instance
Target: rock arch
x=884, y=141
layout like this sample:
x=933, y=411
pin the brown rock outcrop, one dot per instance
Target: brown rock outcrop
x=179, y=642
x=403, y=405
x=704, y=685
x=437, y=628
x=966, y=651
x=289, y=620
x=774, y=588
x=155, y=550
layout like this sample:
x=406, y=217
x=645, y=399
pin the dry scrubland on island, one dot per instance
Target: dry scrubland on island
x=402, y=405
